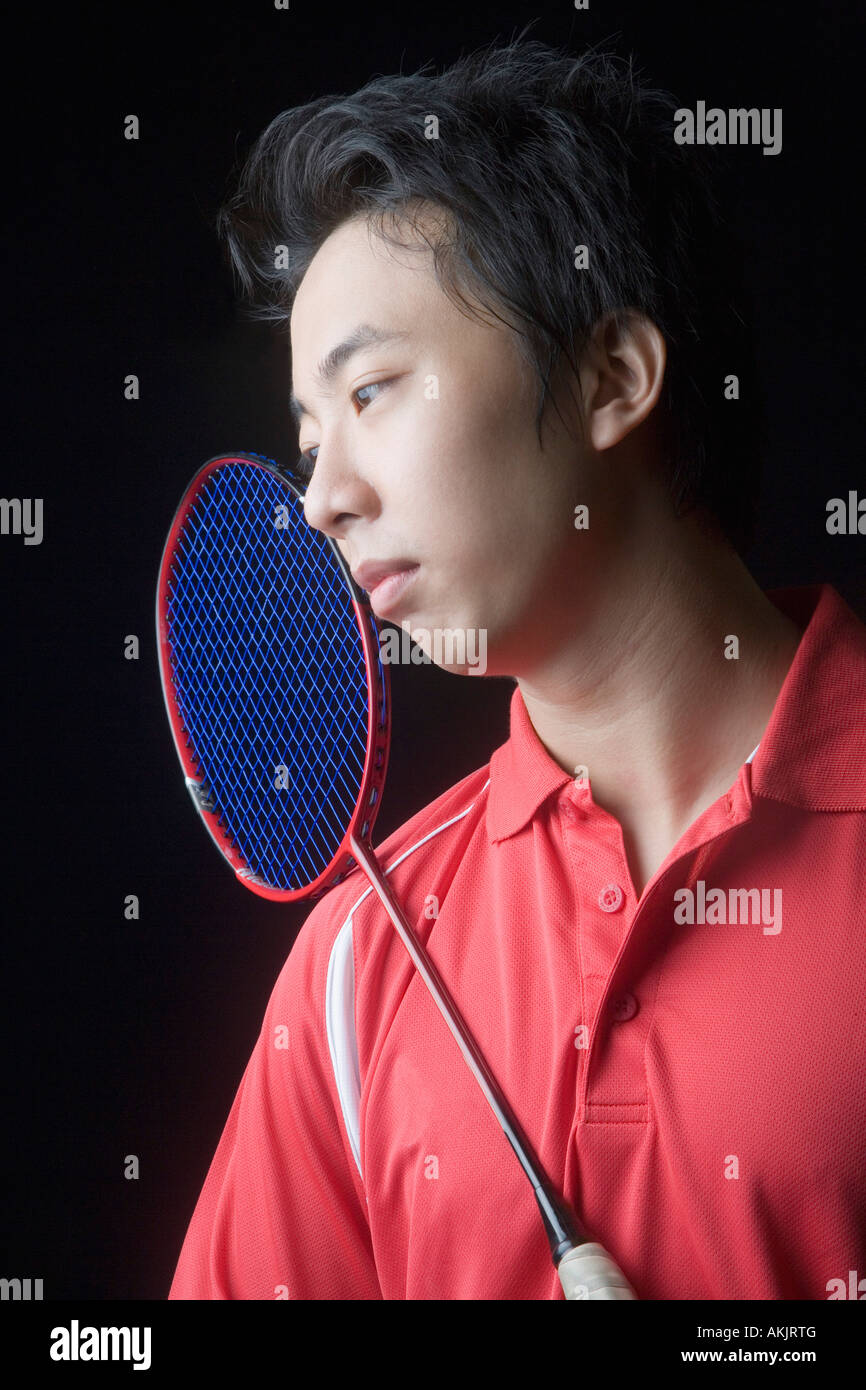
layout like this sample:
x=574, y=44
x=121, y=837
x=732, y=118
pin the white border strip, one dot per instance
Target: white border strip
x=340, y=1006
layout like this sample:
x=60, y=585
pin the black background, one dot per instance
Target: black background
x=131, y=1037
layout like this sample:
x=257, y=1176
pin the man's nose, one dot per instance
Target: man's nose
x=336, y=493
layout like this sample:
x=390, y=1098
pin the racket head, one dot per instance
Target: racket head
x=271, y=672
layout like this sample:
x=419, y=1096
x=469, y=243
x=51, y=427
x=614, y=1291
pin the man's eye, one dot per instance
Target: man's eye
x=370, y=386
x=305, y=465
x=306, y=462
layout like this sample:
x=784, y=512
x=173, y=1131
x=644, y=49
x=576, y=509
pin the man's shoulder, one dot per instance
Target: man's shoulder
x=448, y=809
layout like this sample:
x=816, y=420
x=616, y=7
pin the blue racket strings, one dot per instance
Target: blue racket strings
x=269, y=674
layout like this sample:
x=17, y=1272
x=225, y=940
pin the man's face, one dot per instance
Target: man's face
x=437, y=463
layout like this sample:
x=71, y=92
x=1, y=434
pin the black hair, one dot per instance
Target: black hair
x=538, y=151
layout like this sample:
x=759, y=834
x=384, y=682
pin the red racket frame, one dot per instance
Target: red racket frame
x=378, y=703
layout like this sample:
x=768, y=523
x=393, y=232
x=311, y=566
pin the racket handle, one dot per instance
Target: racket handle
x=587, y=1271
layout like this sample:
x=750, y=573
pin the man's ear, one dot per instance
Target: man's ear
x=621, y=375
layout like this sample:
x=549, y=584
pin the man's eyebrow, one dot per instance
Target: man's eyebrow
x=365, y=335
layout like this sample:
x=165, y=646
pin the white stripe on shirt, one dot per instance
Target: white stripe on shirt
x=340, y=1006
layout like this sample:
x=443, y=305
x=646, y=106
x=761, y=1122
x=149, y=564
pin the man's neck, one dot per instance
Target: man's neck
x=647, y=695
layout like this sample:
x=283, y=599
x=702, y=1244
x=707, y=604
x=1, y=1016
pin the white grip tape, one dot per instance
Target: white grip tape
x=589, y=1272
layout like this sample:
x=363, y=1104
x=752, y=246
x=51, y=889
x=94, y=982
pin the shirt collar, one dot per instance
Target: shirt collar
x=812, y=753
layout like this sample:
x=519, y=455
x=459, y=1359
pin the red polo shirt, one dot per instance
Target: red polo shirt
x=694, y=1088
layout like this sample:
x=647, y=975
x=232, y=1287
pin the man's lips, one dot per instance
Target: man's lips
x=384, y=580
x=372, y=572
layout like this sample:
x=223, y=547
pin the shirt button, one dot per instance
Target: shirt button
x=624, y=1008
x=569, y=811
x=610, y=898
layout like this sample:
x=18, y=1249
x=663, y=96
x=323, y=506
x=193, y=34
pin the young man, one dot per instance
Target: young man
x=645, y=905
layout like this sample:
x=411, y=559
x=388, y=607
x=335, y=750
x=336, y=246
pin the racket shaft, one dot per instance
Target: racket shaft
x=560, y=1225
